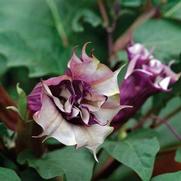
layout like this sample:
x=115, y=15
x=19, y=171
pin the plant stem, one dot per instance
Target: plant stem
x=143, y=119
x=170, y=115
x=103, y=13
x=124, y=39
x=170, y=127
x=109, y=28
x=174, y=131
x=57, y=20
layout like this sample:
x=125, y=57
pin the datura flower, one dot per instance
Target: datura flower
x=145, y=76
x=77, y=107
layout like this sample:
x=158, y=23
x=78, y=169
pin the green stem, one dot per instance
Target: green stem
x=57, y=20
x=170, y=115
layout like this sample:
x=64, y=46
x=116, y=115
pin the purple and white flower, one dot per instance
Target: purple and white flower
x=77, y=108
x=145, y=76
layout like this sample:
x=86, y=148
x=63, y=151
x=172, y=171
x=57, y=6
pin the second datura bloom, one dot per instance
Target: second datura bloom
x=77, y=107
x=145, y=76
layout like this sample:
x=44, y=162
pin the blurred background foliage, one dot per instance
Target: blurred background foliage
x=36, y=41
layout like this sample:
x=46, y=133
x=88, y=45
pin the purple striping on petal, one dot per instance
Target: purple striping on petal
x=71, y=108
x=34, y=99
x=145, y=76
x=55, y=89
x=134, y=92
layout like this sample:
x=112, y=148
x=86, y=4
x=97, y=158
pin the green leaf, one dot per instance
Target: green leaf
x=176, y=176
x=31, y=34
x=138, y=154
x=131, y=3
x=165, y=136
x=3, y=63
x=178, y=155
x=22, y=102
x=169, y=8
x=123, y=173
x=141, y=134
x=87, y=16
x=163, y=36
x=3, y=130
x=7, y=162
x=38, y=48
x=174, y=12
x=74, y=164
x=7, y=174
x=29, y=174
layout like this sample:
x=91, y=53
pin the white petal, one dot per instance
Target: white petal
x=92, y=136
x=93, y=101
x=74, y=60
x=108, y=110
x=75, y=111
x=164, y=83
x=65, y=93
x=85, y=115
x=68, y=106
x=53, y=124
x=55, y=99
x=109, y=86
x=131, y=66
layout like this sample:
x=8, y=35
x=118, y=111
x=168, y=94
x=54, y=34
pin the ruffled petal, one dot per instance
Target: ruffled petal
x=55, y=99
x=164, y=83
x=34, y=98
x=88, y=69
x=131, y=67
x=138, y=49
x=85, y=115
x=109, y=86
x=53, y=124
x=93, y=101
x=174, y=77
x=92, y=136
x=108, y=110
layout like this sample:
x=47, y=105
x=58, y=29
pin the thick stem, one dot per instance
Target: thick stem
x=124, y=39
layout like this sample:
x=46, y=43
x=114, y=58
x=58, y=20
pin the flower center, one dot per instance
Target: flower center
x=72, y=96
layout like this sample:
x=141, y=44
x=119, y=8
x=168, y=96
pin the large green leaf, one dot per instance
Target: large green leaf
x=176, y=176
x=85, y=15
x=163, y=36
x=123, y=173
x=29, y=38
x=7, y=174
x=178, y=155
x=138, y=154
x=74, y=164
x=31, y=34
x=2, y=64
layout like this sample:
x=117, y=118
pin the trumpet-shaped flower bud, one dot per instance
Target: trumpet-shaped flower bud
x=76, y=108
x=145, y=76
